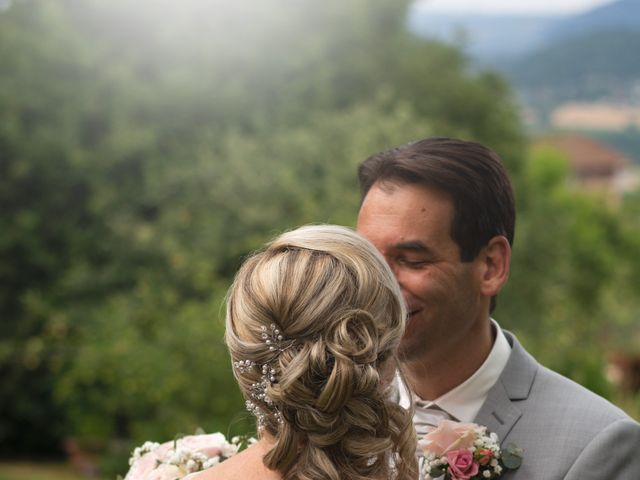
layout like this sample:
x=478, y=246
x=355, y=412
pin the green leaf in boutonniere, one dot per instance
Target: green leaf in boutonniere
x=512, y=457
x=438, y=471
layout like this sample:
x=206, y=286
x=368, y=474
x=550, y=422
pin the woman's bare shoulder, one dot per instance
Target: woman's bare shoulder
x=246, y=465
x=220, y=471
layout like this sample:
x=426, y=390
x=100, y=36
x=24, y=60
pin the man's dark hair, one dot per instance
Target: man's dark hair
x=472, y=174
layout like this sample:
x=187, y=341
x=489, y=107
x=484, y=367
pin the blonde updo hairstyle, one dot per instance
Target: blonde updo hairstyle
x=341, y=316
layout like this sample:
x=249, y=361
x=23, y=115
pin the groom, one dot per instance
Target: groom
x=442, y=213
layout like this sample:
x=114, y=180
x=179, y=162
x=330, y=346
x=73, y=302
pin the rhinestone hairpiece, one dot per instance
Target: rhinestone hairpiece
x=272, y=337
x=274, y=340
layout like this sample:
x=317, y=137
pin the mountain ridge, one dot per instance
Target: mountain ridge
x=623, y=14
x=587, y=57
x=493, y=39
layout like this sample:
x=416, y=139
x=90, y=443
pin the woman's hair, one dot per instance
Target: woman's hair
x=313, y=323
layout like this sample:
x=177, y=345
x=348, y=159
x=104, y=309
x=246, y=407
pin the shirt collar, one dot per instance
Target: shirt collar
x=464, y=401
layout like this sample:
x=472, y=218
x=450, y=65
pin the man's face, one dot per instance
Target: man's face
x=410, y=225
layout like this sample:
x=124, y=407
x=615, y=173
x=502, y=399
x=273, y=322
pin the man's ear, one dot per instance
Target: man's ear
x=496, y=259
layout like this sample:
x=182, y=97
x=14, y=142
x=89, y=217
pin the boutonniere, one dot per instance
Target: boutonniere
x=465, y=451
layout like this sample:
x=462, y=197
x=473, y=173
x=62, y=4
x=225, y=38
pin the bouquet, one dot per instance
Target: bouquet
x=465, y=451
x=176, y=459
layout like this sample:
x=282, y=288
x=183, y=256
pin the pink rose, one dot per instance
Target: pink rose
x=148, y=462
x=484, y=456
x=461, y=464
x=211, y=445
x=449, y=436
x=157, y=463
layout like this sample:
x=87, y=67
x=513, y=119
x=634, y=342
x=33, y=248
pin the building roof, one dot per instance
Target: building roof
x=586, y=155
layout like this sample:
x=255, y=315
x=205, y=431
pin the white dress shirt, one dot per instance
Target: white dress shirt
x=463, y=402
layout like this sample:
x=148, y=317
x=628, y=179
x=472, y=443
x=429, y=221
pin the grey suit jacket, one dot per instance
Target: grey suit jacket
x=566, y=431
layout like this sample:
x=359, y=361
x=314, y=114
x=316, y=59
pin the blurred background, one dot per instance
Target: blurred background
x=146, y=147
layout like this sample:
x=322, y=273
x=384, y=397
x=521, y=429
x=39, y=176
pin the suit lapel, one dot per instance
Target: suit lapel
x=500, y=411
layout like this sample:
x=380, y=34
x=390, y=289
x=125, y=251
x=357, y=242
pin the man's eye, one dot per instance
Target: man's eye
x=411, y=263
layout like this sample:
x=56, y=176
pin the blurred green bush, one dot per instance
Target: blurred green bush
x=147, y=147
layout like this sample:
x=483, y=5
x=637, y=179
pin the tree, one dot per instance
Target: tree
x=147, y=147
x=572, y=257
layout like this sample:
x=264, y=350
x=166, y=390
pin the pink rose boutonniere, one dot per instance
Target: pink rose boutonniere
x=465, y=451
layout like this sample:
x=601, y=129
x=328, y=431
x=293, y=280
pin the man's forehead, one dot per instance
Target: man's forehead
x=406, y=217
x=410, y=203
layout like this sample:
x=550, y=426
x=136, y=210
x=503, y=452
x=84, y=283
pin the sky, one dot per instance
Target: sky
x=510, y=6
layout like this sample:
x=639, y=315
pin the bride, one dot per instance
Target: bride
x=312, y=326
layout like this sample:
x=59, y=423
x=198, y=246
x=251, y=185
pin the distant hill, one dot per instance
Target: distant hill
x=586, y=57
x=595, y=65
x=495, y=38
x=623, y=14
x=487, y=38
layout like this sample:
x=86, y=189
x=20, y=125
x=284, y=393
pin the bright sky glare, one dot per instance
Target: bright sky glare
x=509, y=6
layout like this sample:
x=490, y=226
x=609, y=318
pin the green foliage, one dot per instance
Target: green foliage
x=141, y=159
x=160, y=341
x=571, y=295
x=147, y=147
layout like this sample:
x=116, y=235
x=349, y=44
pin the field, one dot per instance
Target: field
x=37, y=471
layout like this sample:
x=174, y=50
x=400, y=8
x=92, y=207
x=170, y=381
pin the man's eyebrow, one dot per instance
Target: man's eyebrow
x=413, y=246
